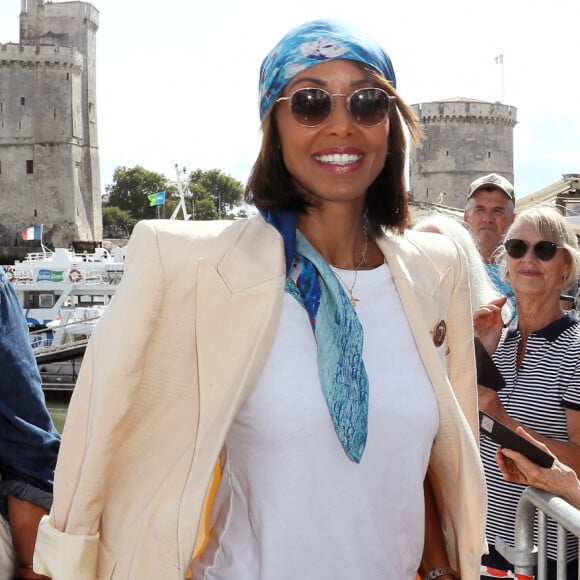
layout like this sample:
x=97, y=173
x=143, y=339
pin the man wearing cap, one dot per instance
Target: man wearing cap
x=489, y=212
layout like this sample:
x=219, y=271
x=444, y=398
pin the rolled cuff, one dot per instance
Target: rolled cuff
x=62, y=556
x=26, y=492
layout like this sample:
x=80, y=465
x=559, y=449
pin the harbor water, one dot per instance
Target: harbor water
x=57, y=409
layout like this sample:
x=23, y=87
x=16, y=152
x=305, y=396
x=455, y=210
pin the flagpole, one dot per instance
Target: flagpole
x=44, y=248
x=501, y=78
x=499, y=60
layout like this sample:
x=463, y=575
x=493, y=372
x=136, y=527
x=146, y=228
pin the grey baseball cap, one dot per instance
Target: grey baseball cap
x=492, y=180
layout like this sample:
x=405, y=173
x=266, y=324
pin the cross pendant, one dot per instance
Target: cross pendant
x=354, y=300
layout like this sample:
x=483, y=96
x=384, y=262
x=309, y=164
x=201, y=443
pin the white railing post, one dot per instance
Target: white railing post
x=525, y=556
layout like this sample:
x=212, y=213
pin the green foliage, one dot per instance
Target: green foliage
x=223, y=191
x=114, y=216
x=130, y=189
x=117, y=223
x=205, y=210
x=212, y=194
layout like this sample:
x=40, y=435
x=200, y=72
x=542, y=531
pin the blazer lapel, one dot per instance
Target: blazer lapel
x=417, y=282
x=238, y=307
x=413, y=275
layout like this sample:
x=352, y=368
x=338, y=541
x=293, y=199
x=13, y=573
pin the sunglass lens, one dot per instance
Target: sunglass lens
x=311, y=106
x=369, y=107
x=545, y=250
x=515, y=248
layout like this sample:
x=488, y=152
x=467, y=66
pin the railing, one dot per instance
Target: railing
x=110, y=274
x=64, y=338
x=525, y=556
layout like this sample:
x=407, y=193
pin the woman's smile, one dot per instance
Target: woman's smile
x=338, y=159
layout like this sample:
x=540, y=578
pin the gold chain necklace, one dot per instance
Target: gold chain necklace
x=363, y=260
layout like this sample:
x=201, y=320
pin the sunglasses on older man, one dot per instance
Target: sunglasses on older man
x=544, y=250
x=312, y=106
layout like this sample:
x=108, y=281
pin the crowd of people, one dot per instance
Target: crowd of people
x=301, y=400
x=538, y=355
x=535, y=254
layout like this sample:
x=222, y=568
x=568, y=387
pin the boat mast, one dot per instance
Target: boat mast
x=181, y=204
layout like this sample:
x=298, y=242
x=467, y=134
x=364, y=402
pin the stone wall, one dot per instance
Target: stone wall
x=464, y=139
x=49, y=164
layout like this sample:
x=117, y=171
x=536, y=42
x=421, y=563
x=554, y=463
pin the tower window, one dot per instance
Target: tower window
x=23, y=101
x=29, y=166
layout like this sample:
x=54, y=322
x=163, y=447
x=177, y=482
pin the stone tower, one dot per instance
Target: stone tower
x=49, y=159
x=464, y=139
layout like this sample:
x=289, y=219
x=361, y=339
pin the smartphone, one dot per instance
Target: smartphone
x=510, y=439
x=488, y=374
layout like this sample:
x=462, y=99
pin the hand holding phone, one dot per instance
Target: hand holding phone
x=510, y=439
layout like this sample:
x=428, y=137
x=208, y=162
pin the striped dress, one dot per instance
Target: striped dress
x=537, y=394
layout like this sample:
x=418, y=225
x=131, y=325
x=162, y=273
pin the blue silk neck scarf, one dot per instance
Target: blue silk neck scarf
x=337, y=330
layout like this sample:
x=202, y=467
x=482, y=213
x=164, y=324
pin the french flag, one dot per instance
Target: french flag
x=32, y=233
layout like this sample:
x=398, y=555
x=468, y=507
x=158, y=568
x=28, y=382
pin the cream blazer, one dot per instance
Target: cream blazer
x=172, y=360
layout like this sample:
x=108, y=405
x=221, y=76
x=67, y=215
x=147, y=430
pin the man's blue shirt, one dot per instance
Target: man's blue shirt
x=29, y=442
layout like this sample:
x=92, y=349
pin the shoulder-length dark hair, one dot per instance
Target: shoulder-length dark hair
x=271, y=187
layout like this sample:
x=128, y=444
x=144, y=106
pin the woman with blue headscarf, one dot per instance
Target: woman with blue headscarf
x=294, y=393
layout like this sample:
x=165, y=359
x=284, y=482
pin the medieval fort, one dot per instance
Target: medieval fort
x=49, y=156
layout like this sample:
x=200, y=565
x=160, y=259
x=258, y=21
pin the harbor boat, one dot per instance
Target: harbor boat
x=59, y=348
x=67, y=336
x=63, y=295
x=51, y=282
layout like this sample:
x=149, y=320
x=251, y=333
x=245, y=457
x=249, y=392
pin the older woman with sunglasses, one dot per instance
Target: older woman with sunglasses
x=538, y=355
x=318, y=350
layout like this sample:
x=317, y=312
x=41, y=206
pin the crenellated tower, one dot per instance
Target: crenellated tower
x=464, y=139
x=49, y=157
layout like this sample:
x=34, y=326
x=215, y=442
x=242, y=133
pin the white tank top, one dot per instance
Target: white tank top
x=291, y=505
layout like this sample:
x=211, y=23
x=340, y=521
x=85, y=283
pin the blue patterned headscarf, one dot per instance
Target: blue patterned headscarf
x=314, y=43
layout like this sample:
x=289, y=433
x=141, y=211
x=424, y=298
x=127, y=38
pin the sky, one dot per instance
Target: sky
x=177, y=79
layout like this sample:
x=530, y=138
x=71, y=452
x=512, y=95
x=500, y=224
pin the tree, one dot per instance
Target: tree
x=224, y=191
x=130, y=190
x=114, y=217
x=214, y=194
x=205, y=210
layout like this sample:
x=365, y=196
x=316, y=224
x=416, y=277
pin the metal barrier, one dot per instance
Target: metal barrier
x=525, y=556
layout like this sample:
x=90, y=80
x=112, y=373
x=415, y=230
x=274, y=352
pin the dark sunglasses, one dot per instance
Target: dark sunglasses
x=312, y=106
x=544, y=250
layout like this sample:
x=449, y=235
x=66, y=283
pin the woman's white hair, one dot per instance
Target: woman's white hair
x=483, y=290
x=553, y=226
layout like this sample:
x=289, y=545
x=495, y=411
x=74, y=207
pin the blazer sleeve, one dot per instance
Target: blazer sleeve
x=67, y=542
x=462, y=373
